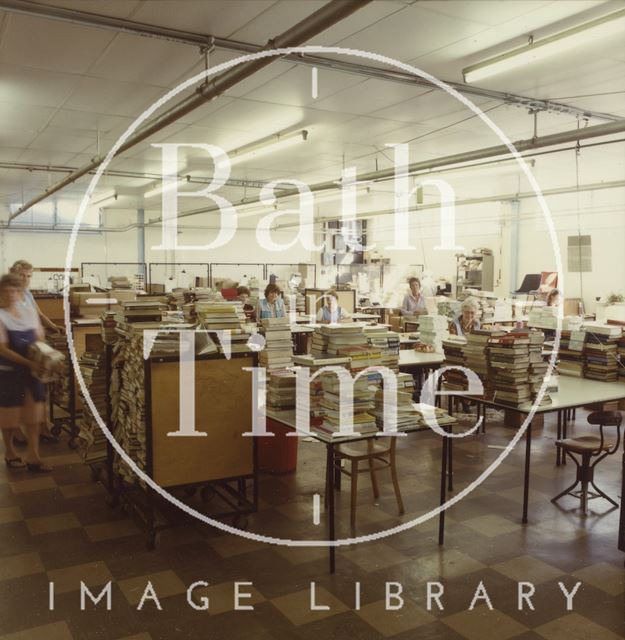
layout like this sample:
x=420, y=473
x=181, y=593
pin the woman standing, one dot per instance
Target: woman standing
x=272, y=305
x=414, y=302
x=24, y=271
x=466, y=321
x=21, y=395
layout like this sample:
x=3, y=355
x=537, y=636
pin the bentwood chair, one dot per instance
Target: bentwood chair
x=377, y=455
x=587, y=452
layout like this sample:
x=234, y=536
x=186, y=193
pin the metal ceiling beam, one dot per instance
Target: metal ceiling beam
x=205, y=40
x=317, y=22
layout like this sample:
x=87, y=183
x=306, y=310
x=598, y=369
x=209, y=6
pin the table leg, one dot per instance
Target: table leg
x=621, y=529
x=450, y=472
x=526, y=480
x=483, y=417
x=441, y=515
x=331, y=530
x=559, y=437
x=565, y=421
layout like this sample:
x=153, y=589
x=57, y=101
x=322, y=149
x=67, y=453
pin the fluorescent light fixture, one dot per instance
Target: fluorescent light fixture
x=331, y=196
x=269, y=145
x=593, y=31
x=107, y=197
x=161, y=188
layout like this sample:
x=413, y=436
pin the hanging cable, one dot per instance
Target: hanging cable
x=579, y=225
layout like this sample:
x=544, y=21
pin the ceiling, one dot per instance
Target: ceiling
x=67, y=92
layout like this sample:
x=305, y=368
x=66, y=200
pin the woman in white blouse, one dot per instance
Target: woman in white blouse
x=414, y=302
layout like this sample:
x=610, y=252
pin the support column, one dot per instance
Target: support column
x=515, y=219
x=141, y=242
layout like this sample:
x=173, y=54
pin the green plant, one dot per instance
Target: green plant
x=613, y=298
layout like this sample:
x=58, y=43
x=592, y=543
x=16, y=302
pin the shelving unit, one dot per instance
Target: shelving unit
x=474, y=271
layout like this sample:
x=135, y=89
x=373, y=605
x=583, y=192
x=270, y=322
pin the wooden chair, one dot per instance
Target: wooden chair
x=584, y=449
x=376, y=451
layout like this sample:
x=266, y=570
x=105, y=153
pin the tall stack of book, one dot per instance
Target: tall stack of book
x=509, y=368
x=571, y=353
x=281, y=390
x=537, y=366
x=406, y=413
x=128, y=402
x=59, y=389
x=387, y=341
x=433, y=329
x=109, y=322
x=333, y=411
x=475, y=351
x=278, y=351
x=621, y=355
x=340, y=336
x=93, y=441
x=600, y=353
x=316, y=388
x=362, y=357
x=453, y=348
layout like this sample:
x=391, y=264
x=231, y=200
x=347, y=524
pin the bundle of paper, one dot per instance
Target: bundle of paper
x=51, y=361
x=433, y=329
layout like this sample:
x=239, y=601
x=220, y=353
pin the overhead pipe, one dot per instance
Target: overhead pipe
x=311, y=26
x=204, y=40
x=427, y=166
x=596, y=186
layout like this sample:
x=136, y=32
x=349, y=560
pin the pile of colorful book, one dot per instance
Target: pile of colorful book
x=379, y=337
x=537, y=366
x=571, y=353
x=407, y=415
x=281, y=390
x=601, y=352
x=475, y=351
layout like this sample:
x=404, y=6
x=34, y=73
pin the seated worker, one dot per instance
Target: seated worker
x=243, y=294
x=272, y=305
x=553, y=298
x=465, y=322
x=331, y=311
x=414, y=302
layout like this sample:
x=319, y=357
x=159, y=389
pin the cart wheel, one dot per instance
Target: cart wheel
x=240, y=522
x=152, y=540
x=190, y=491
x=55, y=430
x=207, y=494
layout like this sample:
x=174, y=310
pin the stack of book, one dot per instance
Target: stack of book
x=128, y=402
x=387, y=342
x=316, y=389
x=220, y=315
x=433, y=329
x=142, y=311
x=571, y=353
x=109, y=322
x=119, y=282
x=406, y=414
x=281, y=390
x=621, y=355
x=333, y=411
x=328, y=339
x=601, y=351
x=509, y=368
x=453, y=348
x=59, y=389
x=92, y=439
x=278, y=351
x=361, y=358
x=50, y=360
x=475, y=351
x=537, y=365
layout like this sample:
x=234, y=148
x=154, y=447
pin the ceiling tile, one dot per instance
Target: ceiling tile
x=41, y=43
x=24, y=86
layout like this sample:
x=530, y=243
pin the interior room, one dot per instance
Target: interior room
x=312, y=319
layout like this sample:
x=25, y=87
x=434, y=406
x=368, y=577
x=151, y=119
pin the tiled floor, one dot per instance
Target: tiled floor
x=59, y=529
